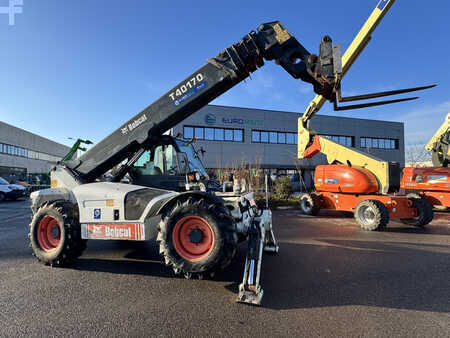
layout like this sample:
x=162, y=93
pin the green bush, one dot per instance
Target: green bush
x=282, y=188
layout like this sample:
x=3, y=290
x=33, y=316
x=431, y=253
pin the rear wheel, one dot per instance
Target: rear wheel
x=310, y=204
x=371, y=215
x=197, y=237
x=2, y=196
x=55, y=234
x=424, y=213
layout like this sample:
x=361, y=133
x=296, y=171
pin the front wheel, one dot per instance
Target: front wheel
x=424, y=213
x=371, y=215
x=55, y=235
x=197, y=237
x=310, y=204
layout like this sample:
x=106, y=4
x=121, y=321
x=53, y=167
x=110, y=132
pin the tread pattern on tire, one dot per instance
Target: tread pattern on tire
x=314, y=200
x=381, y=215
x=72, y=245
x=195, y=205
x=425, y=211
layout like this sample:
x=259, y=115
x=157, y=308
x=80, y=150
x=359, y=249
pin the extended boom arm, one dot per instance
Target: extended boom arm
x=234, y=64
x=305, y=133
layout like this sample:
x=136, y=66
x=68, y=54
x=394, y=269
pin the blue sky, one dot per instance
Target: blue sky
x=81, y=68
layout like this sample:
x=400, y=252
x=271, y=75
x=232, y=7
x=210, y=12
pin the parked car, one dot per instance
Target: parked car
x=11, y=191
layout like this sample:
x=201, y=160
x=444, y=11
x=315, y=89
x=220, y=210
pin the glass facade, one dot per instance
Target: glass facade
x=27, y=153
x=213, y=134
x=348, y=141
x=278, y=137
x=273, y=137
x=378, y=143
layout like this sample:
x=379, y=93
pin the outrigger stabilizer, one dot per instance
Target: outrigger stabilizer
x=260, y=239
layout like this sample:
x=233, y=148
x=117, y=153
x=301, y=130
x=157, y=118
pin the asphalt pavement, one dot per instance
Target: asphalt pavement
x=329, y=279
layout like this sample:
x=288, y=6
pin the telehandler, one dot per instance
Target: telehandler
x=197, y=231
x=354, y=181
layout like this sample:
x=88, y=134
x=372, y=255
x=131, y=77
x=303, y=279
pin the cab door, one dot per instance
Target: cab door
x=159, y=168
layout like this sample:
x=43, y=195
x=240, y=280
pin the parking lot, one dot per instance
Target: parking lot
x=330, y=278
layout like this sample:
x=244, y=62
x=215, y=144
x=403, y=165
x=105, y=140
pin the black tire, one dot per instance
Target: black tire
x=371, y=215
x=2, y=197
x=59, y=250
x=218, y=221
x=424, y=210
x=310, y=204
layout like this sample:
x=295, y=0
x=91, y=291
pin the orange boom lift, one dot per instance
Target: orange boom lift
x=354, y=181
x=432, y=184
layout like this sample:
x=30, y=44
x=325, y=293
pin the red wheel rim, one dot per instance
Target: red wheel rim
x=193, y=238
x=48, y=233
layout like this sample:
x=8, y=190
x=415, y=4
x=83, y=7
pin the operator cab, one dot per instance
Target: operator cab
x=171, y=164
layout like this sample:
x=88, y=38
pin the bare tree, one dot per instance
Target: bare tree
x=417, y=156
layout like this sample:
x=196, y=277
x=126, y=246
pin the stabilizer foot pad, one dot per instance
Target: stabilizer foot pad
x=250, y=297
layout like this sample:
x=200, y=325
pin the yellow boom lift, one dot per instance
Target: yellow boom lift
x=439, y=144
x=354, y=181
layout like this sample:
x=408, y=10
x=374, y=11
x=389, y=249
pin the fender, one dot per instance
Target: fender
x=170, y=200
x=40, y=197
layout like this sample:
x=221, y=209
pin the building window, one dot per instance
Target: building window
x=273, y=137
x=218, y=134
x=214, y=134
x=228, y=135
x=290, y=138
x=188, y=132
x=256, y=136
x=209, y=134
x=348, y=141
x=23, y=152
x=238, y=135
x=378, y=143
x=199, y=133
x=264, y=137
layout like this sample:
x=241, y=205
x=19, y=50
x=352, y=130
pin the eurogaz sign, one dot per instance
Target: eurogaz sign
x=211, y=119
